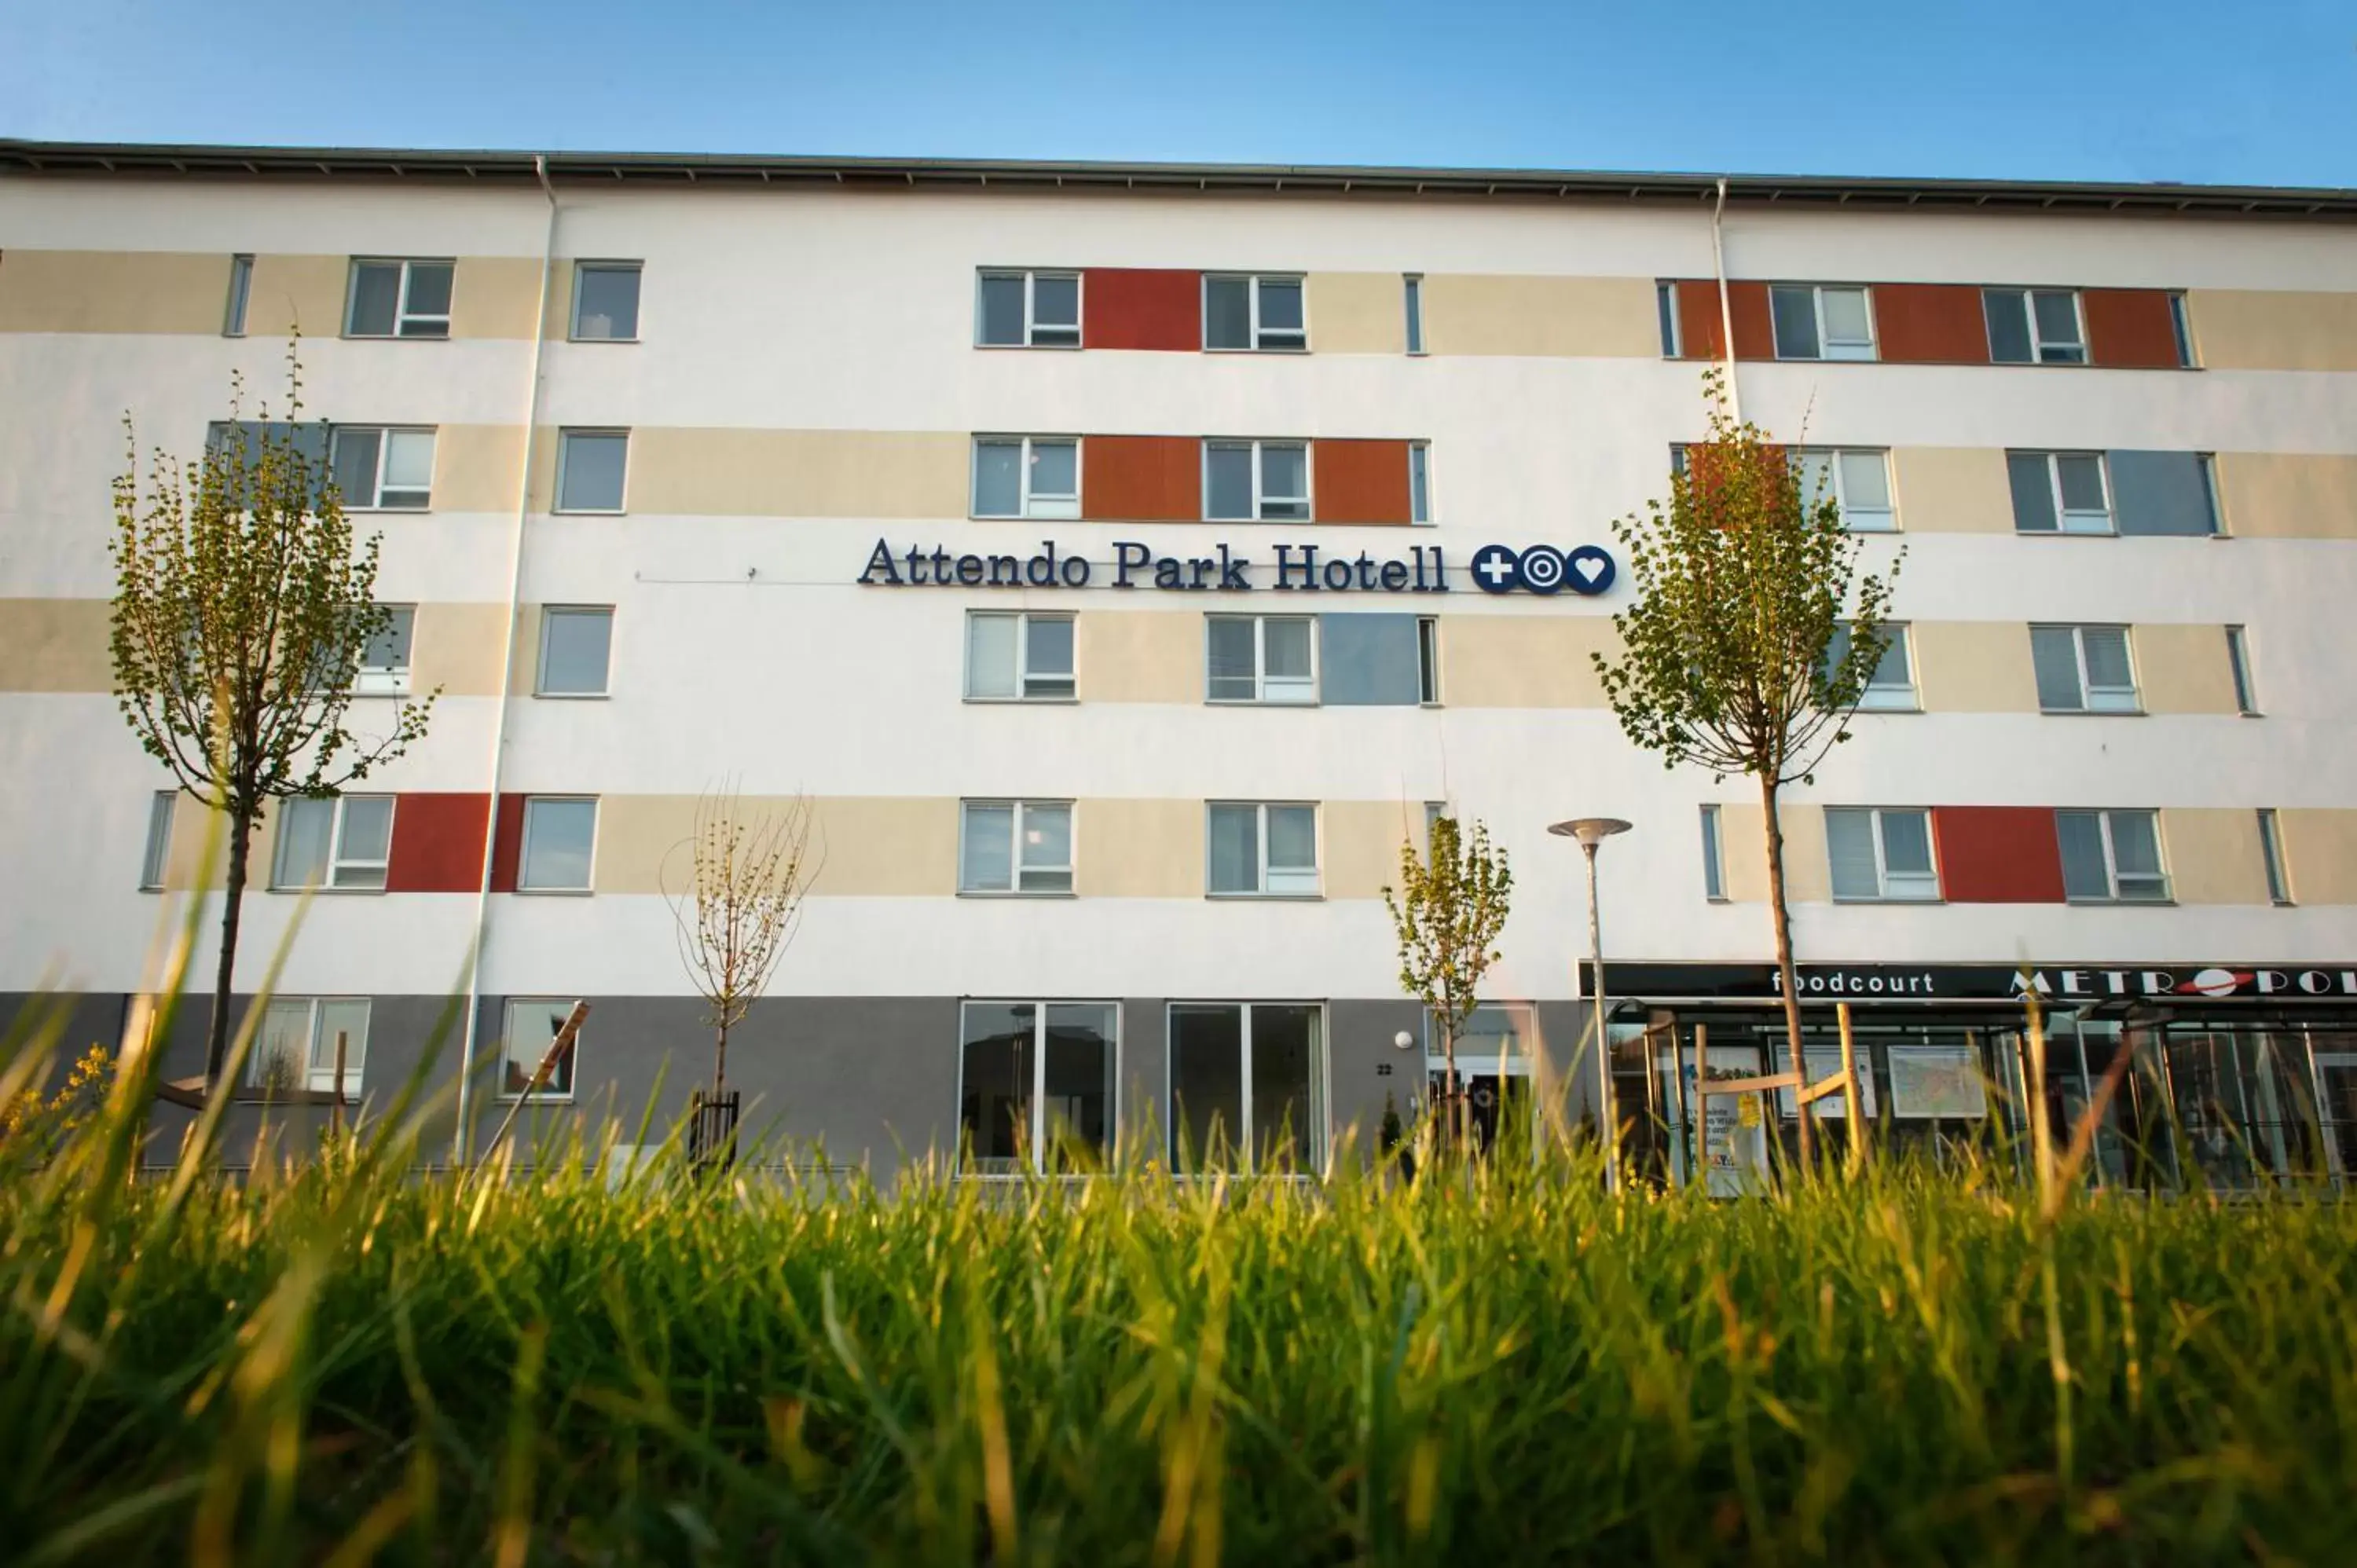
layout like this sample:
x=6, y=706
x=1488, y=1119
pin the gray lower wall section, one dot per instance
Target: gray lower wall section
x=851, y=1082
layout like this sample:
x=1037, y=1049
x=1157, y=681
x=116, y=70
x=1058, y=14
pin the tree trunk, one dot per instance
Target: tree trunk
x=1455, y=1100
x=1786, y=982
x=241, y=834
x=720, y=1058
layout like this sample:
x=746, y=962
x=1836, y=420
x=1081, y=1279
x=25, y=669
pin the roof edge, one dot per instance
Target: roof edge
x=443, y=167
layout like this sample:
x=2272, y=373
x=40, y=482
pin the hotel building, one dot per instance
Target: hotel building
x=1123, y=561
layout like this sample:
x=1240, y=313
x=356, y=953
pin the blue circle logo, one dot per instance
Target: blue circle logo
x=1590, y=569
x=1541, y=568
x=1497, y=569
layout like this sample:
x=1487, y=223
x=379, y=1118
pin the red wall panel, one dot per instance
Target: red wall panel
x=507, y=843
x=1699, y=320
x=1142, y=479
x=1998, y=854
x=1133, y=307
x=2130, y=328
x=1930, y=324
x=1360, y=481
x=1755, y=332
x=438, y=843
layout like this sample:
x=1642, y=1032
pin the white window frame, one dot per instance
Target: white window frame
x=1036, y=1141
x=570, y=1068
x=240, y=295
x=1411, y=302
x=1260, y=888
x=1840, y=482
x=1261, y=499
x=1714, y=855
x=583, y=265
x=2238, y=667
x=1665, y=309
x=2062, y=523
x=375, y=500
x=1292, y=694
x=1427, y=660
x=564, y=437
x=319, y=1049
x=2271, y=857
x=1253, y=284
x=2180, y=322
x=1322, y=1081
x=1916, y=886
x=156, y=853
x=337, y=862
x=1060, y=509
x=1016, y=817
x=388, y=679
x=403, y=316
x=1852, y=352
x=549, y=613
x=1023, y=673
x=1031, y=328
x=524, y=847
x=1873, y=699
x=2037, y=343
x=2104, y=815
x=2115, y=700
x=1419, y=483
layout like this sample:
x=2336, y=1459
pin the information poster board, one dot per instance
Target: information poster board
x=1734, y=1154
x=1937, y=1081
x=1822, y=1065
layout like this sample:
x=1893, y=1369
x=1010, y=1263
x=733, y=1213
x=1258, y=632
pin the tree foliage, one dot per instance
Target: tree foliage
x=1448, y=910
x=1752, y=632
x=748, y=871
x=242, y=606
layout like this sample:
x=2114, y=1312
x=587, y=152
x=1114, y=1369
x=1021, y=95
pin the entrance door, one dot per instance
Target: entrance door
x=2335, y=1109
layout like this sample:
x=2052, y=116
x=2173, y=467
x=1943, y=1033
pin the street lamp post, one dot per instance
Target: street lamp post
x=1591, y=831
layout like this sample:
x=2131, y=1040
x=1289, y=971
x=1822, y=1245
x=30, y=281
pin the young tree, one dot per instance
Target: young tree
x=1450, y=905
x=742, y=906
x=243, y=605
x=1750, y=636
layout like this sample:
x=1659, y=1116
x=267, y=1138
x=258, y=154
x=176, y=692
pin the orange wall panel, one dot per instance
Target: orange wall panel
x=1142, y=479
x=1137, y=307
x=1360, y=481
x=1930, y=324
x=1998, y=854
x=1698, y=318
x=2130, y=329
x=438, y=843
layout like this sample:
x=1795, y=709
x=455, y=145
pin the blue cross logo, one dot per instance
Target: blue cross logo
x=1497, y=569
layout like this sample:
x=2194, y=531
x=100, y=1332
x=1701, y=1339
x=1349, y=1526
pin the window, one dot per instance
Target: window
x=2066, y=492
x=2034, y=326
x=2084, y=670
x=2271, y=857
x=575, y=647
x=2238, y=663
x=1414, y=293
x=1427, y=659
x=1890, y=685
x=241, y=289
x=384, y=662
x=1881, y=854
x=1821, y=321
x=1665, y=306
x=1035, y=1084
x=2181, y=324
x=296, y=1046
x=1269, y=851
x=2111, y=857
x=1018, y=657
x=1857, y=479
x=560, y=835
x=531, y=1025
x=157, y=857
x=340, y=842
x=591, y=467
x=1714, y=858
x=1253, y=313
x=1026, y=476
x=1247, y=1086
x=1029, y=310
x=1260, y=659
x=605, y=302
x=399, y=299
x=1266, y=481
x=1015, y=846
x=1419, y=482
x=381, y=469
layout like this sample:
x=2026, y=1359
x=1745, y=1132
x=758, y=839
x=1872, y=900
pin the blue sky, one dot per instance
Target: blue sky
x=2260, y=91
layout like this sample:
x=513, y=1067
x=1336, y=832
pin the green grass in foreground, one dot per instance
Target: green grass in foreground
x=351, y=1363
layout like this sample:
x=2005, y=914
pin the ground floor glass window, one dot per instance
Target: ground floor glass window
x=1247, y=1086
x=1036, y=1085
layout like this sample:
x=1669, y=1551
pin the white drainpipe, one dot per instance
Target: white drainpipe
x=507, y=680
x=1725, y=311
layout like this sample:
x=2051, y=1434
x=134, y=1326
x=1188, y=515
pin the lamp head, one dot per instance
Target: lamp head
x=1589, y=831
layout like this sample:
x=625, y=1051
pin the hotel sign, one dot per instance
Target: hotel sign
x=2060, y=984
x=1584, y=569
